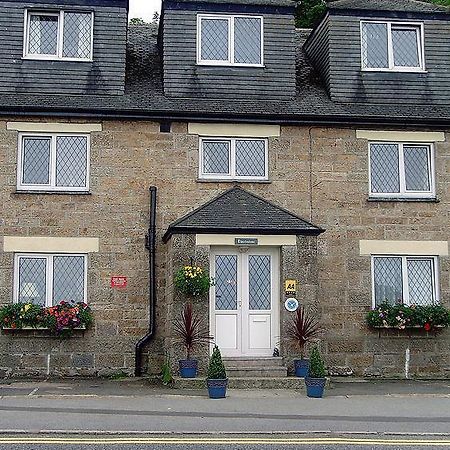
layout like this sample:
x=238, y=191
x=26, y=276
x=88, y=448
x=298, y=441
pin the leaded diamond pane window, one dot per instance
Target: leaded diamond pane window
x=233, y=159
x=214, y=39
x=230, y=40
x=225, y=282
x=392, y=46
x=374, y=43
x=77, y=35
x=71, y=161
x=404, y=280
x=59, y=35
x=247, y=40
x=401, y=170
x=68, y=278
x=43, y=34
x=384, y=164
x=54, y=162
x=216, y=157
x=49, y=279
x=259, y=279
x=36, y=161
x=250, y=158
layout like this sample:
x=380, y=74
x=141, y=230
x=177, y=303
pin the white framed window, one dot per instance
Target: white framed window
x=401, y=170
x=395, y=46
x=64, y=35
x=233, y=159
x=230, y=40
x=47, y=279
x=409, y=280
x=53, y=162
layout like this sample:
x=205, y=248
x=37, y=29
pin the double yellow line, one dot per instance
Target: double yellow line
x=222, y=441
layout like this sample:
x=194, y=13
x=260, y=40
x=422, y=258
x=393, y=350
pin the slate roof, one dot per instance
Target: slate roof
x=290, y=3
x=239, y=211
x=388, y=5
x=144, y=98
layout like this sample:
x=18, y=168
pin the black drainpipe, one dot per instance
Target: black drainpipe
x=150, y=244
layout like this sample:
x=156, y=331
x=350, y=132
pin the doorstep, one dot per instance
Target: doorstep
x=245, y=383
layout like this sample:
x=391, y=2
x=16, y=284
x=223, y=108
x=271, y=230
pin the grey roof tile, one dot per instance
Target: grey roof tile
x=239, y=211
x=388, y=5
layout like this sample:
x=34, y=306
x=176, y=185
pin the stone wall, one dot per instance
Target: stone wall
x=318, y=173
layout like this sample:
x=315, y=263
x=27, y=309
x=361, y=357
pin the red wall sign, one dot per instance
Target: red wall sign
x=118, y=282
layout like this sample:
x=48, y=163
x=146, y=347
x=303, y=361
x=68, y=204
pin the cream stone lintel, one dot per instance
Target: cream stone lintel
x=413, y=248
x=50, y=244
x=40, y=127
x=233, y=130
x=401, y=136
x=229, y=239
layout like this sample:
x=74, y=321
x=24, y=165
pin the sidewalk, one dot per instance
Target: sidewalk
x=132, y=405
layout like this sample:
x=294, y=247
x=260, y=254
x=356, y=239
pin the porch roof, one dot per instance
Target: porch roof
x=239, y=211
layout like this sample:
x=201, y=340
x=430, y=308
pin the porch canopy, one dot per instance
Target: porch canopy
x=237, y=211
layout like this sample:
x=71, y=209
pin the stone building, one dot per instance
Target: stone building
x=228, y=138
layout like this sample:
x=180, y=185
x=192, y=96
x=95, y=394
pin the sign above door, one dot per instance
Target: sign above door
x=246, y=241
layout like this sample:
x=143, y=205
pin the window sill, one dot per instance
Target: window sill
x=55, y=58
x=381, y=70
x=404, y=199
x=225, y=64
x=414, y=327
x=27, y=191
x=43, y=332
x=226, y=180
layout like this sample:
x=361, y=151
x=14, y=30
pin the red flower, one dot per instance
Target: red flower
x=427, y=327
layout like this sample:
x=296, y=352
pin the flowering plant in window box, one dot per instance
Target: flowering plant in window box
x=403, y=316
x=192, y=281
x=59, y=319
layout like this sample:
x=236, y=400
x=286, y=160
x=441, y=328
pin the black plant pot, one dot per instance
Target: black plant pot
x=188, y=368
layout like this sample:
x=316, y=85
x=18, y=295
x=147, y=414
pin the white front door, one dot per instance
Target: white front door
x=245, y=300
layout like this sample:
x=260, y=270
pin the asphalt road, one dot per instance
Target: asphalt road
x=243, y=442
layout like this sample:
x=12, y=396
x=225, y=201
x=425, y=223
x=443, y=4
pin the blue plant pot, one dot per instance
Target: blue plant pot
x=301, y=367
x=188, y=368
x=315, y=387
x=217, y=388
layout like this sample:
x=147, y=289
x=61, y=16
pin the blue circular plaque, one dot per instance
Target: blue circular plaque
x=291, y=304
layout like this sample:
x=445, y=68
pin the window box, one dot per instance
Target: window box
x=401, y=170
x=392, y=46
x=233, y=159
x=63, y=35
x=224, y=40
x=59, y=320
x=402, y=317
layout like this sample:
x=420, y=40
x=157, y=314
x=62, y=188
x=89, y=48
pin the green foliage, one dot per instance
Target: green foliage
x=166, y=371
x=309, y=12
x=59, y=319
x=191, y=329
x=403, y=316
x=216, y=369
x=302, y=330
x=137, y=21
x=316, y=364
x=192, y=281
x=441, y=2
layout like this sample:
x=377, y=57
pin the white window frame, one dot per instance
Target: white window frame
x=405, y=288
x=60, y=35
x=52, y=169
x=231, y=176
x=230, y=19
x=48, y=274
x=403, y=192
x=391, y=67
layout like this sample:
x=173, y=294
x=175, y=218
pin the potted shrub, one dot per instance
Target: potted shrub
x=217, y=380
x=190, y=330
x=301, y=330
x=315, y=381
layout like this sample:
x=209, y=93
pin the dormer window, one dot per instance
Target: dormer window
x=392, y=46
x=58, y=35
x=229, y=40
